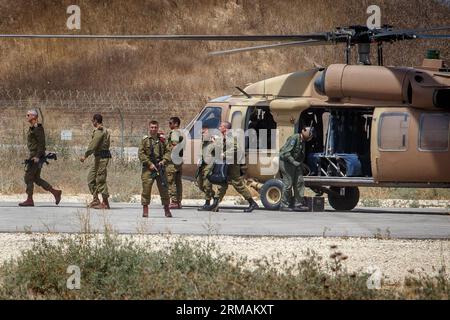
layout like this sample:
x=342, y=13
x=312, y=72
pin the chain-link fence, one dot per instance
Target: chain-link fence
x=66, y=114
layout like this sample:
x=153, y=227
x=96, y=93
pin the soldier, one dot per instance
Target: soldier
x=204, y=168
x=292, y=155
x=234, y=170
x=174, y=166
x=36, y=148
x=99, y=146
x=153, y=154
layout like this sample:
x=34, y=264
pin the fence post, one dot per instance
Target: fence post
x=122, y=131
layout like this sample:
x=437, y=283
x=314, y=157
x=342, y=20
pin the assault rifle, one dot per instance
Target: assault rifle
x=161, y=172
x=42, y=160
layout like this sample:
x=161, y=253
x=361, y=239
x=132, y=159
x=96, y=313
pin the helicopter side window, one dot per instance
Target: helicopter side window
x=393, y=132
x=210, y=118
x=434, y=132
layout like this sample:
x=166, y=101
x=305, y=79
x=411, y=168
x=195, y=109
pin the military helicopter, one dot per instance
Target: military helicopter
x=375, y=125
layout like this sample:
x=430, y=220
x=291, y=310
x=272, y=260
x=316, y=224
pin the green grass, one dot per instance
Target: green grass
x=113, y=268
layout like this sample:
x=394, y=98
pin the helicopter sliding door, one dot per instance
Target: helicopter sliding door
x=410, y=145
x=340, y=146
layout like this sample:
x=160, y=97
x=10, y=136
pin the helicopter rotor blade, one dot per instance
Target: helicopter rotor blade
x=420, y=30
x=406, y=33
x=280, y=37
x=433, y=36
x=270, y=46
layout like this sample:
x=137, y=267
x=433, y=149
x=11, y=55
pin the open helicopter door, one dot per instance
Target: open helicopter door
x=410, y=145
x=210, y=116
x=260, y=138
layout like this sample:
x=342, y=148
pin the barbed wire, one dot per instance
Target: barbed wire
x=20, y=96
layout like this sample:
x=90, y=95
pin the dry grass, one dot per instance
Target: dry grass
x=184, y=66
x=115, y=268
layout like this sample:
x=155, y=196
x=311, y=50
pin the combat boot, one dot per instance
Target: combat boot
x=174, y=205
x=288, y=209
x=205, y=207
x=179, y=204
x=27, y=203
x=301, y=208
x=252, y=205
x=167, y=212
x=145, y=211
x=56, y=194
x=215, y=205
x=94, y=202
x=104, y=205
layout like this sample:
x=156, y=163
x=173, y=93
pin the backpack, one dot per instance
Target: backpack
x=219, y=173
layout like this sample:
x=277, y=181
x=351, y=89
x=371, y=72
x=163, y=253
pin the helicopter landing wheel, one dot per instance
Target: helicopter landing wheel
x=270, y=194
x=345, y=202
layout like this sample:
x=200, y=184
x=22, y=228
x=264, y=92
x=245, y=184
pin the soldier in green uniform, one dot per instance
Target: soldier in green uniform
x=235, y=178
x=99, y=147
x=174, y=166
x=153, y=154
x=204, y=168
x=292, y=155
x=36, y=148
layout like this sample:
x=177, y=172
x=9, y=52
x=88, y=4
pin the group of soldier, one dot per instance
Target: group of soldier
x=156, y=154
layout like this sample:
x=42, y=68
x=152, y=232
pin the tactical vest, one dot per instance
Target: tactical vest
x=181, y=140
x=155, y=159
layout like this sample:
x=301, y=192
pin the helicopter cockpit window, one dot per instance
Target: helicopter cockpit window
x=393, y=132
x=434, y=132
x=210, y=117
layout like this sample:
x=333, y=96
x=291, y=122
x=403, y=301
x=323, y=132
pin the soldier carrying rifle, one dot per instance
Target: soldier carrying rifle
x=154, y=155
x=36, y=147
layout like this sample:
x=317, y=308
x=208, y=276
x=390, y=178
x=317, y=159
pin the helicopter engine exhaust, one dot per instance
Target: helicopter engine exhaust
x=415, y=87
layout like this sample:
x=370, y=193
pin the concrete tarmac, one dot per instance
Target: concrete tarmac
x=126, y=218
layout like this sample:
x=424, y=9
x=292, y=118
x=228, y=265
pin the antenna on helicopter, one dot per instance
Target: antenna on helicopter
x=245, y=93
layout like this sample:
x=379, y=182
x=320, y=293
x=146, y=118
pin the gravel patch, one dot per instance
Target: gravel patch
x=396, y=259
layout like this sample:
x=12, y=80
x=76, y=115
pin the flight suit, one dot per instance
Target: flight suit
x=151, y=151
x=235, y=177
x=292, y=155
x=99, y=147
x=174, y=171
x=36, y=147
x=205, y=167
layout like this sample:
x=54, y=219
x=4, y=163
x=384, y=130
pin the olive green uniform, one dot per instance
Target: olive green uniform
x=292, y=155
x=36, y=147
x=204, y=168
x=174, y=171
x=99, y=147
x=151, y=151
x=234, y=177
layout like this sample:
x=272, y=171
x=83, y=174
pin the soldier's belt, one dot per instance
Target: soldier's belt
x=104, y=154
